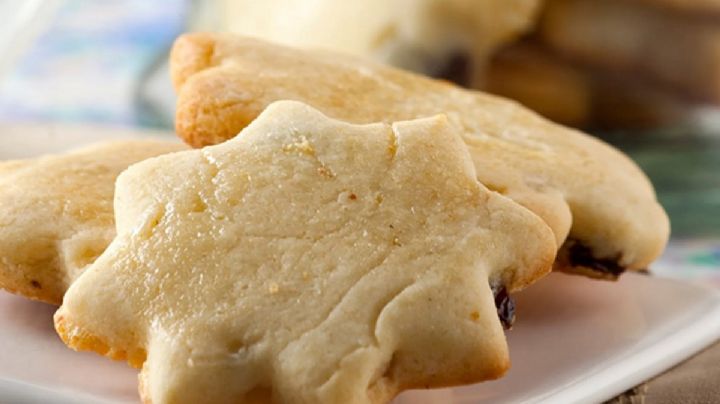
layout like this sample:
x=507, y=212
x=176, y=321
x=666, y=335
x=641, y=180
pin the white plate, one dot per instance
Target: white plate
x=575, y=340
x=578, y=340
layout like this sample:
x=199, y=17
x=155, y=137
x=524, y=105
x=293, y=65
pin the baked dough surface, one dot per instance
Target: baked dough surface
x=308, y=261
x=56, y=213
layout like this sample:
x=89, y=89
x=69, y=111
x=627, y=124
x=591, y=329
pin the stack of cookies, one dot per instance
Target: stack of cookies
x=615, y=63
x=338, y=231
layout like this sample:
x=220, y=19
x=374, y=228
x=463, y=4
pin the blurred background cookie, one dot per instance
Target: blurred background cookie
x=443, y=38
x=578, y=95
x=671, y=50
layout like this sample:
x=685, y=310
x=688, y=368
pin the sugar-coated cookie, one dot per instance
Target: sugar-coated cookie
x=600, y=206
x=56, y=213
x=307, y=261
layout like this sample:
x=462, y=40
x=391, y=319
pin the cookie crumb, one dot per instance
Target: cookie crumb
x=325, y=172
x=301, y=147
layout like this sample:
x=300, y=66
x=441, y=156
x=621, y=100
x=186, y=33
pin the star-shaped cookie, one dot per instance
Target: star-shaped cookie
x=56, y=213
x=601, y=207
x=307, y=261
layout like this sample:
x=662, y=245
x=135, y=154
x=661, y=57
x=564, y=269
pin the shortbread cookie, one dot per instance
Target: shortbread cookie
x=56, y=213
x=564, y=176
x=580, y=96
x=678, y=51
x=307, y=261
x=448, y=38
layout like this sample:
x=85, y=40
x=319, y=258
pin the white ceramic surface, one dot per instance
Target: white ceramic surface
x=575, y=340
x=578, y=340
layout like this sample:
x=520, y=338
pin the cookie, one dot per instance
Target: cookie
x=56, y=214
x=595, y=199
x=678, y=51
x=580, y=96
x=450, y=39
x=307, y=261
